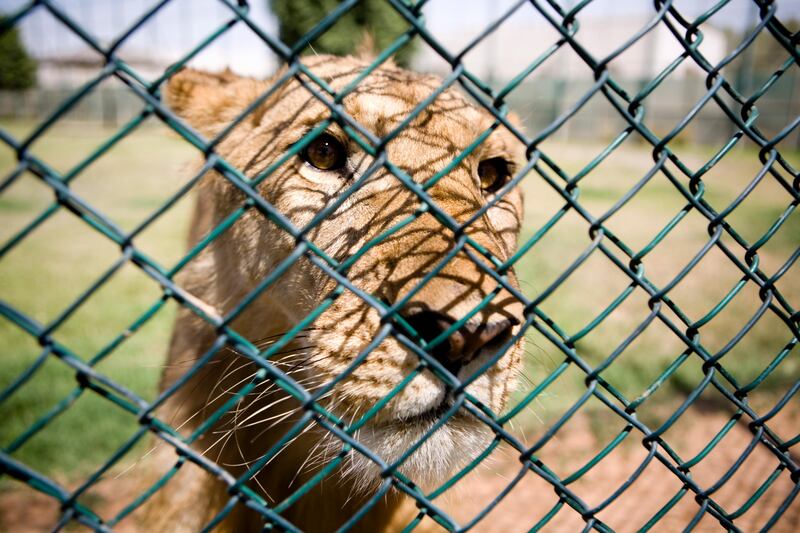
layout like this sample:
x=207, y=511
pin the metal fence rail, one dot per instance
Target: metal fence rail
x=740, y=109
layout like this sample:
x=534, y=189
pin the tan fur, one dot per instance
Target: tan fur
x=241, y=257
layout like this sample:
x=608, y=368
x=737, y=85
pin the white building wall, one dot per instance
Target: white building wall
x=515, y=45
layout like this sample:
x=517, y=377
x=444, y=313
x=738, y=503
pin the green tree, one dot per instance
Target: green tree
x=374, y=17
x=17, y=68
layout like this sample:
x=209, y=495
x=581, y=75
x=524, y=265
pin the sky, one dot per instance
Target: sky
x=183, y=23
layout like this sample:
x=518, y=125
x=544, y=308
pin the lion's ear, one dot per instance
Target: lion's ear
x=516, y=121
x=368, y=50
x=209, y=101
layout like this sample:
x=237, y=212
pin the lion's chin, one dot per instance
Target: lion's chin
x=433, y=462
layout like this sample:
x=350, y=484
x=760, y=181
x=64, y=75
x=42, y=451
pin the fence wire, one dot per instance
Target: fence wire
x=740, y=109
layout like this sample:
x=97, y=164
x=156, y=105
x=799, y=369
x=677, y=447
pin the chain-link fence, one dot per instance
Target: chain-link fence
x=770, y=289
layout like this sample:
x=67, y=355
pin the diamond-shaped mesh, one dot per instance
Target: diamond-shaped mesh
x=700, y=364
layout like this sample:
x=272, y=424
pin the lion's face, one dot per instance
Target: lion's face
x=381, y=238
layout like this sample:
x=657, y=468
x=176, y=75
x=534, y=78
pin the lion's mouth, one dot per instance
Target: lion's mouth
x=429, y=416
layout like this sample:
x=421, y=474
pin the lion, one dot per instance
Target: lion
x=400, y=254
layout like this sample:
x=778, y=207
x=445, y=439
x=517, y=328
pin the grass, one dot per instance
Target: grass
x=62, y=257
x=598, y=282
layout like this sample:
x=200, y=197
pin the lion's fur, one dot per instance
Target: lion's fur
x=239, y=259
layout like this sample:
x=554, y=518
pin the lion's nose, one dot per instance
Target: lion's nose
x=463, y=345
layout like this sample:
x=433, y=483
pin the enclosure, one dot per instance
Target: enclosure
x=657, y=262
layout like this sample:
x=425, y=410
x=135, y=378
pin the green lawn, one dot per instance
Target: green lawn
x=61, y=258
x=594, y=286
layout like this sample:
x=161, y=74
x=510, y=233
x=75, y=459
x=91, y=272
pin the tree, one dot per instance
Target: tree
x=376, y=18
x=17, y=68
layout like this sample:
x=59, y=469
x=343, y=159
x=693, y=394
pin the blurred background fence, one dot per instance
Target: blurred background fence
x=64, y=62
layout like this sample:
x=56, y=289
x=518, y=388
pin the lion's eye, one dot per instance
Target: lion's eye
x=325, y=153
x=493, y=173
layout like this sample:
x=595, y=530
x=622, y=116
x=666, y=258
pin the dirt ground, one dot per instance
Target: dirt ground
x=532, y=497
x=22, y=510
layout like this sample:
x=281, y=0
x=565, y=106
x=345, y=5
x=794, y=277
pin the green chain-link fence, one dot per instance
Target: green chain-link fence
x=713, y=371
